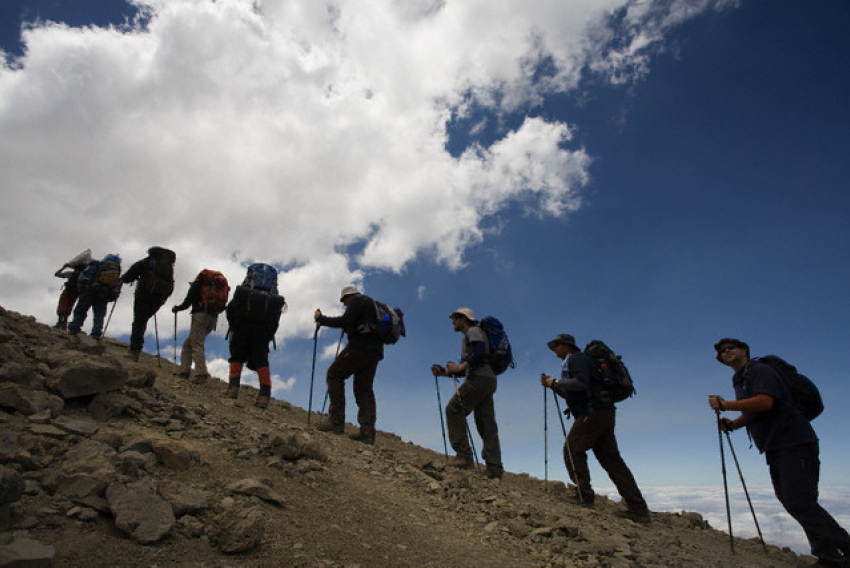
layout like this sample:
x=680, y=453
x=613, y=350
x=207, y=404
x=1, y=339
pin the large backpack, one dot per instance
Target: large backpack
x=616, y=381
x=806, y=397
x=500, y=355
x=388, y=323
x=158, y=279
x=102, y=279
x=214, y=291
x=256, y=299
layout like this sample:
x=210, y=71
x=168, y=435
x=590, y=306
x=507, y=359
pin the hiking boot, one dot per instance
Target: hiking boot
x=232, y=391
x=199, y=378
x=493, y=473
x=364, y=438
x=587, y=499
x=134, y=355
x=73, y=331
x=182, y=374
x=637, y=515
x=262, y=401
x=328, y=426
x=461, y=462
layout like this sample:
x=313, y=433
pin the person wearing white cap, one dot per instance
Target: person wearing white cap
x=474, y=395
x=359, y=358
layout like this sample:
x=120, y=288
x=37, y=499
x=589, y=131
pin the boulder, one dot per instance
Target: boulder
x=174, y=455
x=140, y=513
x=28, y=401
x=23, y=551
x=88, y=377
x=238, y=530
x=256, y=488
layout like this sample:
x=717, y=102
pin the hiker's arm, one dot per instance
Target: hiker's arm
x=477, y=356
x=758, y=403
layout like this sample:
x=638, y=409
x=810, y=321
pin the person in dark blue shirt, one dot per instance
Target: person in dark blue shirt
x=789, y=444
x=593, y=428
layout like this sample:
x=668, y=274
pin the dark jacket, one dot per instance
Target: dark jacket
x=580, y=384
x=193, y=298
x=359, y=312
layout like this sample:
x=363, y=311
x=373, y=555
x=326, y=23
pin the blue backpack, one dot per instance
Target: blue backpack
x=500, y=354
x=102, y=279
x=256, y=299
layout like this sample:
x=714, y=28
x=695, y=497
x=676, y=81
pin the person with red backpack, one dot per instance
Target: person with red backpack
x=207, y=296
x=784, y=435
x=154, y=275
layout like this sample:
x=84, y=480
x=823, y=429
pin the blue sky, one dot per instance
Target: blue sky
x=648, y=175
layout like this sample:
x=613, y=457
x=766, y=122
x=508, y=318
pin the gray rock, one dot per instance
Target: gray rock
x=174, y=455
x=88, y=377
x=23, y=551
x=185, y=500
x=108, y=405
x=141, y=379
x=79, y=427
x=238, y=530
x=28, y=401
x=256, y=488
x=140, y=513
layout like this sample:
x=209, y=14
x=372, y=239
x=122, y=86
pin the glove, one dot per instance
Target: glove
x=727, y=425
x=175, y=309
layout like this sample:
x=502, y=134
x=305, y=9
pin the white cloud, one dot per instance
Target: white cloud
x=311, y=135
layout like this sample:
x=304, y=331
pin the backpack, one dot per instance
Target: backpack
x=500, y=355
x=388, y=324
x=214, y=291
x=615, y=378
x=256, y=300
x=806, y=397
x=158, y=279
x=102, y=280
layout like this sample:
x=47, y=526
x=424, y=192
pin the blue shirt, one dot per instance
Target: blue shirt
x=782, y=426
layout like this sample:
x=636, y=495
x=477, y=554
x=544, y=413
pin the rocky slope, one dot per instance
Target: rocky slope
x=109, y=462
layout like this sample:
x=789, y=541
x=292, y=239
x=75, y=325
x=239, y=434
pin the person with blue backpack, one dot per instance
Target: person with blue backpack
x=581, y=385
x=782, y=432
x=97, y=285
x=474, y=396
x=254, y=316
x=360, y=359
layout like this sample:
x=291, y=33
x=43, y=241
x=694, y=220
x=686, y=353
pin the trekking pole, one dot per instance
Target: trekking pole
x=545, y=439
x=747, y=493
x=442, y=421
x=156, y=332
x=466, y=423
x=725, y=484
x=339, y=343
x=567, y=443
x=109, y=319
x=175, y=338
x=312, y=374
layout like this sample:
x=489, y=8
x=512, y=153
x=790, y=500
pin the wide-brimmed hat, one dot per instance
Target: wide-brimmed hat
x=465, y=312
x=348, y=291
x=730, y=341
x=565, y=338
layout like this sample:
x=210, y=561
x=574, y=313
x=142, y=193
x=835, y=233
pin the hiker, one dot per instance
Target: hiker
x=359, y=358
x=207, y=296
x=254, y=316
x=98, y=284
x=789, y=444
x=593, y=428
x=155, y=276
x=475, y=395
x=69, y=294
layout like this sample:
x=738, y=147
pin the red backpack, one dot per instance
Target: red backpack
x=214, y=291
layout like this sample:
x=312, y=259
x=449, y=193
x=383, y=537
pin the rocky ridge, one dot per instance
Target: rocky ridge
x=109, y=462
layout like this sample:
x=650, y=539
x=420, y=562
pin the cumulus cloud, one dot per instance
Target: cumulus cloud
x=311, y=135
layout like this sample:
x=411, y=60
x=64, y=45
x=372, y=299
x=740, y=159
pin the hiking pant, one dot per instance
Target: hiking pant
x=98, y=308
x=249, y=343
x=795, y=473
x=475, y=395
x=363, y=364
x=144, y=308
x=66, y=303
x=193, y=348
x=595, y=432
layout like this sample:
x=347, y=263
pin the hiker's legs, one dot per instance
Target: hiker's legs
x=364, y=394
x=485, y=423
x=581, y=438
x=98, y=309
x=795, y=473
x=142, y=312
x=458, y=408
x=194, y=347
x=608, y=454
x=80, y=313
x=343, y=367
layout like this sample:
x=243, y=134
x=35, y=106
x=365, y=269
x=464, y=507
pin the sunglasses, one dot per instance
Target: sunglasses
x=727, y=348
